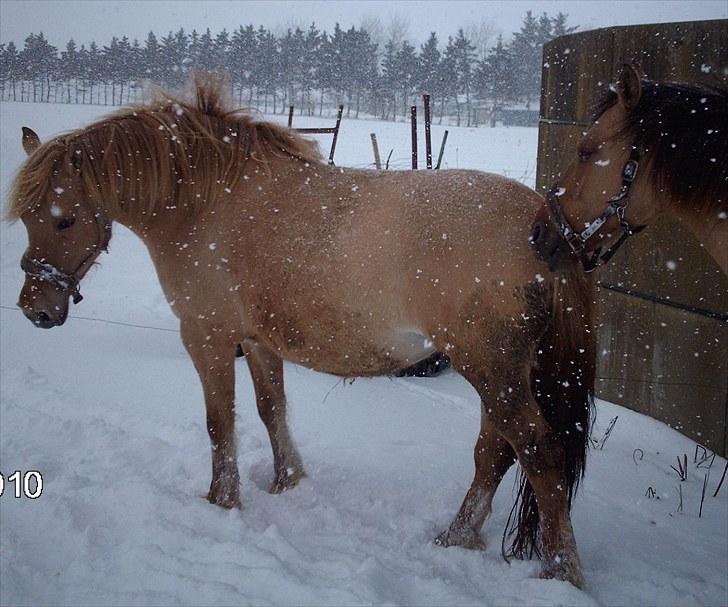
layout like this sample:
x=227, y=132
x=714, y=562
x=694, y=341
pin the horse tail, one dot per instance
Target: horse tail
x=562, y=382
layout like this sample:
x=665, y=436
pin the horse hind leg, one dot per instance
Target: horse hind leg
x=266, y=370
x=542, y=459
x=518, y=419
x=493, y=457
x=503, y=381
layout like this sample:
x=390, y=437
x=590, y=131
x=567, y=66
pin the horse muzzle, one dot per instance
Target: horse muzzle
x=550, y=247
x=42, y=319
x=44, y=312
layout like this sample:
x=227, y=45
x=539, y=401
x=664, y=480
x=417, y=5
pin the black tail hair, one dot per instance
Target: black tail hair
x=562, y=383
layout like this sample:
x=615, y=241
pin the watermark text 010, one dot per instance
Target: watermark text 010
x=22, y=484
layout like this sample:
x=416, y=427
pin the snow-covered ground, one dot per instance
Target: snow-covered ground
x=109, y=409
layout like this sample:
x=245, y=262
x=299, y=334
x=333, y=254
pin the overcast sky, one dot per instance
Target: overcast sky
x=86, y=20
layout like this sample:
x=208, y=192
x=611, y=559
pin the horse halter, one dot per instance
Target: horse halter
x=616, y=205
x=70, y=283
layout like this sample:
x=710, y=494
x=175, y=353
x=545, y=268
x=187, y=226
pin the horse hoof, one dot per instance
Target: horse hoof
x=463, y=537
x=225, y=497
x=286, y=479
x=227, y=502
x=563, y=570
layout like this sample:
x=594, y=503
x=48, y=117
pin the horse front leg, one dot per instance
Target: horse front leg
x=213, y=356
x=266, y=370
x=493, y=457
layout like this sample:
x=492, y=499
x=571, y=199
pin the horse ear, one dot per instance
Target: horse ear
x=31, y=141
x=629, y=87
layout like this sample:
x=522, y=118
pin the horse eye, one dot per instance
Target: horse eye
x=66, y=223
x=584, y=154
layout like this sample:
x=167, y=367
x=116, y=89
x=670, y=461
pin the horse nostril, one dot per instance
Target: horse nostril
x=536, y=232
x=42, y=319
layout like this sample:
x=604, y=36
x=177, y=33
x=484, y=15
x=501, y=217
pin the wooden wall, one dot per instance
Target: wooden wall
x=663, y=327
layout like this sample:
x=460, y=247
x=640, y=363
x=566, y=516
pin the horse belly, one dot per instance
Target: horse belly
x=363, y=355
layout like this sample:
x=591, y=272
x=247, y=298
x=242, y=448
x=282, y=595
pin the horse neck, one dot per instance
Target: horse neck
x=710, y=229
x=153, y=227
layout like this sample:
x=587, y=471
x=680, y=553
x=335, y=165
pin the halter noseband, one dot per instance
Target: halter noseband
x=69, y=283
x=616, y=205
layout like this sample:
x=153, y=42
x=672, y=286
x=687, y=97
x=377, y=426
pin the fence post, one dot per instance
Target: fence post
x=375, y=147
x=336, y=134
x=442, y=150
x=413, y=112
x=290, y=116
x=428, y=138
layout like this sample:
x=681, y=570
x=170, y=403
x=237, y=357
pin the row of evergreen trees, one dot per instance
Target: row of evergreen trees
x=303, y=68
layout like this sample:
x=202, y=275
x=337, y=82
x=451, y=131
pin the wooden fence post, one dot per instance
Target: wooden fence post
x=375, y=147
x=413, y=112
x=428, y=138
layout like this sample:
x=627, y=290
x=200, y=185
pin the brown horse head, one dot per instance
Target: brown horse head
x=65, y=230
x=653, y=148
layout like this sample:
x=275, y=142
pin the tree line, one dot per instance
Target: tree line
x=310, y=69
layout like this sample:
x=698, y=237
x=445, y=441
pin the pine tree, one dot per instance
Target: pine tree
x=389, y=80
x=493, y=78
x=266, y=66
x=526, y=46
x=559, y=26
x=69, y=69
x=10, y=68
x=39, y=60
x=173, y=56
x=428, y=78
x=448, y=78
x=544, y=30
x=151, y=64
x=93, y=69
x=311, y=53
x=406, y=70
x=464, y=61
x=360, y=64
x=221, y=50
x=290, y=53
x=241, y=60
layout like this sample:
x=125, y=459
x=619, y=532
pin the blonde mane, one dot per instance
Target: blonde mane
x=166, y=152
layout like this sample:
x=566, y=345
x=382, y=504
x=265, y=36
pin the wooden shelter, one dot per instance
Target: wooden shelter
x=663, y=302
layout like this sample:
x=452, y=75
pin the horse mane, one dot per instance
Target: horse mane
x=167, y=152
x=684, y=130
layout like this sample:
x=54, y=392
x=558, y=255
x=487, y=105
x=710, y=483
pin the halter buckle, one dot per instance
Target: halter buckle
x=629, y=171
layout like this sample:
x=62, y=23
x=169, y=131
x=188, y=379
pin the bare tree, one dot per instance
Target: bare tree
x=482, y=36
x=372, y=24
x=397, y=29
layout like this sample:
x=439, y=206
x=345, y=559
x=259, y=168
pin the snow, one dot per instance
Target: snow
x=110, y=412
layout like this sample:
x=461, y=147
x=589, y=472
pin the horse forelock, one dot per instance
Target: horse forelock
x=165, y=153
x=682, y=128
x=33, y=181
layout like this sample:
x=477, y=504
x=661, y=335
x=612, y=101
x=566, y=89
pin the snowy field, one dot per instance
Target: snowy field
x=110, y=410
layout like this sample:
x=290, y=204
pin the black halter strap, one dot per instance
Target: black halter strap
x=70, y=283
x=616, y=205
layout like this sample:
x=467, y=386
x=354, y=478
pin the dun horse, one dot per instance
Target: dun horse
x=257, y=242
x=662, y=149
